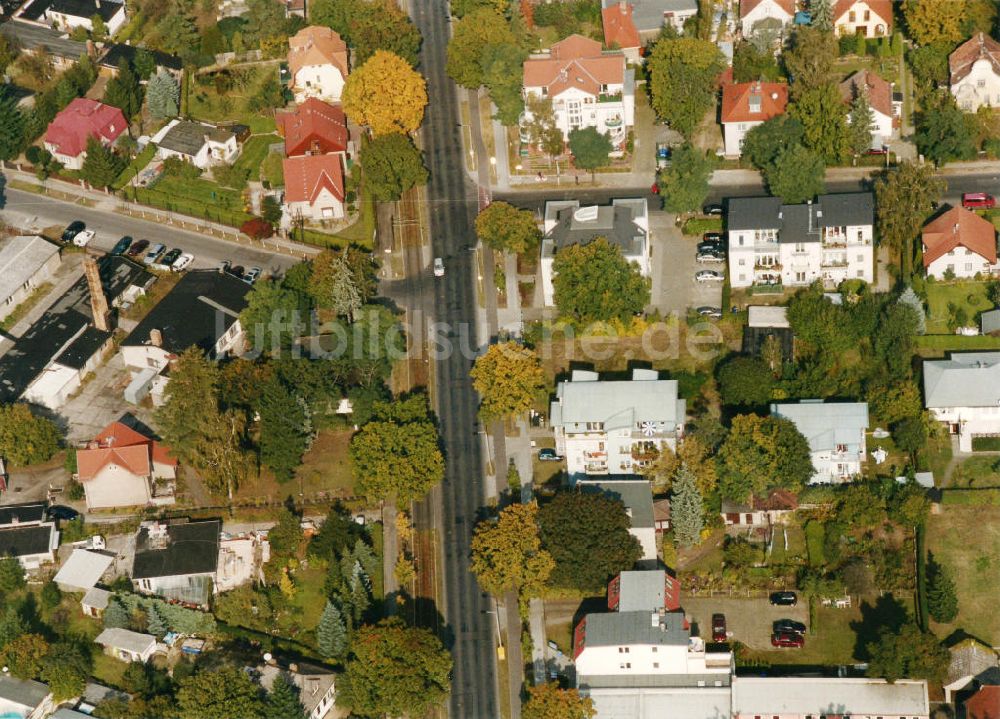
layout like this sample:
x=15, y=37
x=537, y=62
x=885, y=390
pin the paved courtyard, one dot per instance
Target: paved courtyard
x=674, y=267
x=748, y=621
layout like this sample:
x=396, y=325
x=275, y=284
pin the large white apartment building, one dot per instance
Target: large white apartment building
x=771, y=243
x=963, y=391
x=588, y=87
x=615, y=426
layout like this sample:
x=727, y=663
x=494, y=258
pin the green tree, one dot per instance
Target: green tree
x=265, y=19
x=178, y=33
x=9, y=51
x=683, y=73
x=12, y=135
x=930, y=21
x=904, y=199
x=124, y=91
x=910, y=435
x=797, y=175
x=369, y=25
x=334, y=286
x=809, y=58
x=751, y=64
x=331, y=634
x=273, y=316
x=745, y=381
x=591, y=149
x=392, y=164
x=766, y=141
x=909, y=298
x=860, y=124
x=907, y=653
x=587, y=534
x=822, y=15
x=509, y=379
x=541, y=127
x=51, y=596
x=507, y=553
x=223, y=693
x=66, y=669
x=101, y=166
x=943, y=134
x=686, y=509
x=144, y=63
x=820, y=109
x=285, y=429
x=549, y=701
x=685, y=183
x=116, y=615
x=394, y=670
x=505, y=228
x=283, y=700
x=286, y=535
x=24, y=655
x=502, y=75
x=163, y=95
x=470, y=38
x=25, y=438
x=270, y=209
x=11, y=575
x=761, y=453
x=595, y=283
x=942, y=599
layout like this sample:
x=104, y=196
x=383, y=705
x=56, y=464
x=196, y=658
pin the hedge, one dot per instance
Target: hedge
x=922, y=608
x=986, y=444
x=186, y=206
x=971, y=497
x=179, y=619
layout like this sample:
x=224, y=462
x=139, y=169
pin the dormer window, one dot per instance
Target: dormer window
x=755, y=103
x=545, y=91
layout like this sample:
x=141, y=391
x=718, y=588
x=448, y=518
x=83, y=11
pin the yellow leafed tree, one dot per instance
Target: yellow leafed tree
x=931, y=21
x=386, y=94
x=508, y=378
x=507, y=554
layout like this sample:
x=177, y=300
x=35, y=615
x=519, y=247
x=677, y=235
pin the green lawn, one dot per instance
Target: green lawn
x=204, y=191
x=136, y=166
x=967, y=294
x=966, y=540
x=936, y=345
x=834, y=641
x=205, y=102
x=815, y=535
x=254, y=152
x=108, y=670
x=978, y=472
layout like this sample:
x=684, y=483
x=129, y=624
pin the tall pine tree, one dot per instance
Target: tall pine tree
x=942, y=600
x=283, y=700
x=822, y=15
x=686, y=509
x=11, y=128
x=162, y=96
x=101, y=166
x=860, y=123
x=285, y=429
x=115, y=615
x=155, y=621
x=124, y=91
x=909, y=298
x=331, y=634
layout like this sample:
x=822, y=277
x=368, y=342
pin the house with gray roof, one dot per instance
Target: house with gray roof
x=26, y=263
x=615, y=426
x=24, y=698
x=835, y=432
x=126, y=645
x=624, y=223
x=636, y=494
x=989, y=322
x=963, y=391
x=316, y=685
x=200, y=144
x=771, y=243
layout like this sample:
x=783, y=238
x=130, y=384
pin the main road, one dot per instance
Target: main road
x=452, y=200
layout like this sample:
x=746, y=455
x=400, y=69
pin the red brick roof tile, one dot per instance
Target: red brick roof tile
x=959, y=227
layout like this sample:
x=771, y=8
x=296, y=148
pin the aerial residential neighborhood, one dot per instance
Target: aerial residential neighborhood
x=499, y=359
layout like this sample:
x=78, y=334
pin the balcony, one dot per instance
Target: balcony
x=617, y=97
x=776, y=267
x=600, y=456
x=834, y=263
x=615, y=121
x=835, y=242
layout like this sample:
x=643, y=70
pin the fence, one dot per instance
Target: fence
x=187, y=206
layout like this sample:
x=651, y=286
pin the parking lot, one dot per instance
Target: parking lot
x=674, y=286
x=748, y=621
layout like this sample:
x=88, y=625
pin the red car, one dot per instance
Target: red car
x=978, y=201
x=788, y=639
x=719, y=633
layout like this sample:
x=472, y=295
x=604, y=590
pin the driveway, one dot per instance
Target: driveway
x=748, y=620
x=674, y=266
x=100, y=402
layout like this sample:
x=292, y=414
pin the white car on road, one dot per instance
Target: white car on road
x=438, y=267
x=182, y=262
x=82, y=239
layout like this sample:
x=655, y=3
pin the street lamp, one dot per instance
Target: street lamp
x=496, y=615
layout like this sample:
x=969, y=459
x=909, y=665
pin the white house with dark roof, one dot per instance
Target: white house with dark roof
x=963, y=391
x=636, y=495
x=26, y=262
x=615, y=426
x=624, y=223
x=26, y=535
x=24, y=698
x=70, y=14
x=177, y=560
x=201, y=145
x=771, y=243
x=835, y=432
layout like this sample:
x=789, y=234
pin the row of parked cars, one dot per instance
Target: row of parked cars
x=156, y=256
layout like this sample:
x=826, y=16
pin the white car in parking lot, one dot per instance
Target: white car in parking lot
x=82, y=239
x=709, y=276
x=182, y=262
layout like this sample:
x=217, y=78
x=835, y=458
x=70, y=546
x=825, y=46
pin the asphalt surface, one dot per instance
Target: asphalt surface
x=30, y=212
x=452, y=203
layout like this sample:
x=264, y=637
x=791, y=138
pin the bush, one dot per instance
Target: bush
x=986, y=444
x=74, y=491
x=257, y=228
x=233, y=176
x=701, y=225
x=176, y=167
x=33, y=154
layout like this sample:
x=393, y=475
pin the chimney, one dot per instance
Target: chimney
x=98, y=302
x=155, y=337
x=293, y=668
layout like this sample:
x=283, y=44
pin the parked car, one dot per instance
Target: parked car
x=716, y=247
x=182, y=262
x=877, y=150
x=82, y=239
x=236, y=271
x=788, y=626
x=709, y=256
x=788, y=640
x=252, y=275
x=59, y=511
x=154, y=253
x=978, y=201
x=137, y=248
x=784, y=599
x=438, y=267
x=715, y=237
x=709, y=311
x=709, y=276
x=663, y=154
x=170, y=258
x=719, y=633
x=547, y=454
x=713, y=209
x=122, y=245
x=72, y=230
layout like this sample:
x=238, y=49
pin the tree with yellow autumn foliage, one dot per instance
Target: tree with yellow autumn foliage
x=386, y=94
x=509, y=378
x=548, y=701
x=507, y=553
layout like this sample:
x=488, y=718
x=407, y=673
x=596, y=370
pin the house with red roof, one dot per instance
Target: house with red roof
x=121, y=467
x=960, y=241
x=879, y=94
x=620, y=31
x=314, y=188
x=313, y=128
x=975, y=73
x=746, y=105
x=768, y=12
x=984, y=704
x=587, y=86
x=317, y=60
x=67, y=134
x=871, y=18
